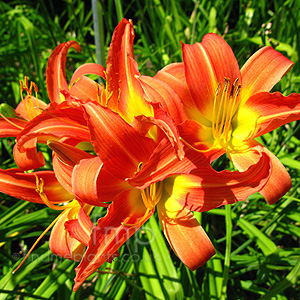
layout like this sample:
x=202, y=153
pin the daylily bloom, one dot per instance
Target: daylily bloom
x=139, y=174
x=228, y=108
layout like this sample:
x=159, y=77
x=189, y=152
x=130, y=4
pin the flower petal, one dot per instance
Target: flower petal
x=27, y=157
x=126, y=97
x=158, y=91
x=89, y=68
x=163, y=163
x=279, y=182
x=60, y=242
x=80, y=228
x=271, y=111
x=205, y=189
x=206, y=65
x=67, y=122
x=174, y=76
x=30, y=107
x=120, y=147
x=167, y=127
x=262, y=71
x=56, y=73
x=12, y=127
x=185, y=235
x=111, y=232
x=93, y=185
x=22, y=185
x=86, y=89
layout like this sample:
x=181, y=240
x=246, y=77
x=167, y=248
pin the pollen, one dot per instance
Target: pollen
x=224, y=108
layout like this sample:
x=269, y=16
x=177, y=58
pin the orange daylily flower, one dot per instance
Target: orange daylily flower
x=228, y=108
x=139, y=174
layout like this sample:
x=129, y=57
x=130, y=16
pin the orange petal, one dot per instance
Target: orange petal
x=111, y=233
x=60, y=242
x=12, y=127
x=126, y=91
x=27, y=157
x=174, y=76
x=167, y=127
x=185, y=235
x=54, y=124
x=33, y=106
x=262, y=71
x=205, y=189
x=279, y=182
x=56, y=73
x=120, y=147
x=89, y=68
x=80, y=228
x=86, y=89
x=93, y=185
x=157, y=91
x=22, y=185
x=163, y=163
x=271, y=111
x=206, y=65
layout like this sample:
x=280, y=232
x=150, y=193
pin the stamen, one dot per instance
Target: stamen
x=223, y=110
x=223, y=106
x=35, y=243
x=10, y=122
x=140, y=221
x=28, y=102
x=193, y=148
x=40, y=191
x=150, y=196
x=214, y=111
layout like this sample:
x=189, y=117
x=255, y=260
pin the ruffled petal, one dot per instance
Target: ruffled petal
x=262, y=71
x=60, y=242
x=23, y=186
x=269, y=112
x=111, y=232
x=185, y=235
x=206, y=189
x=206, y=65
x=120, y=147
x=56, y=73
x=279, y=182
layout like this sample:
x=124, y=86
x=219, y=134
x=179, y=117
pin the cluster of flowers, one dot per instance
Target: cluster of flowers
x=140, y=143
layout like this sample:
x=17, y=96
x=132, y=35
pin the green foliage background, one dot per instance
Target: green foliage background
x=257, y=245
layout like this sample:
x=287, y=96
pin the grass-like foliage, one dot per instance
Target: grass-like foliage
x=258, y=245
